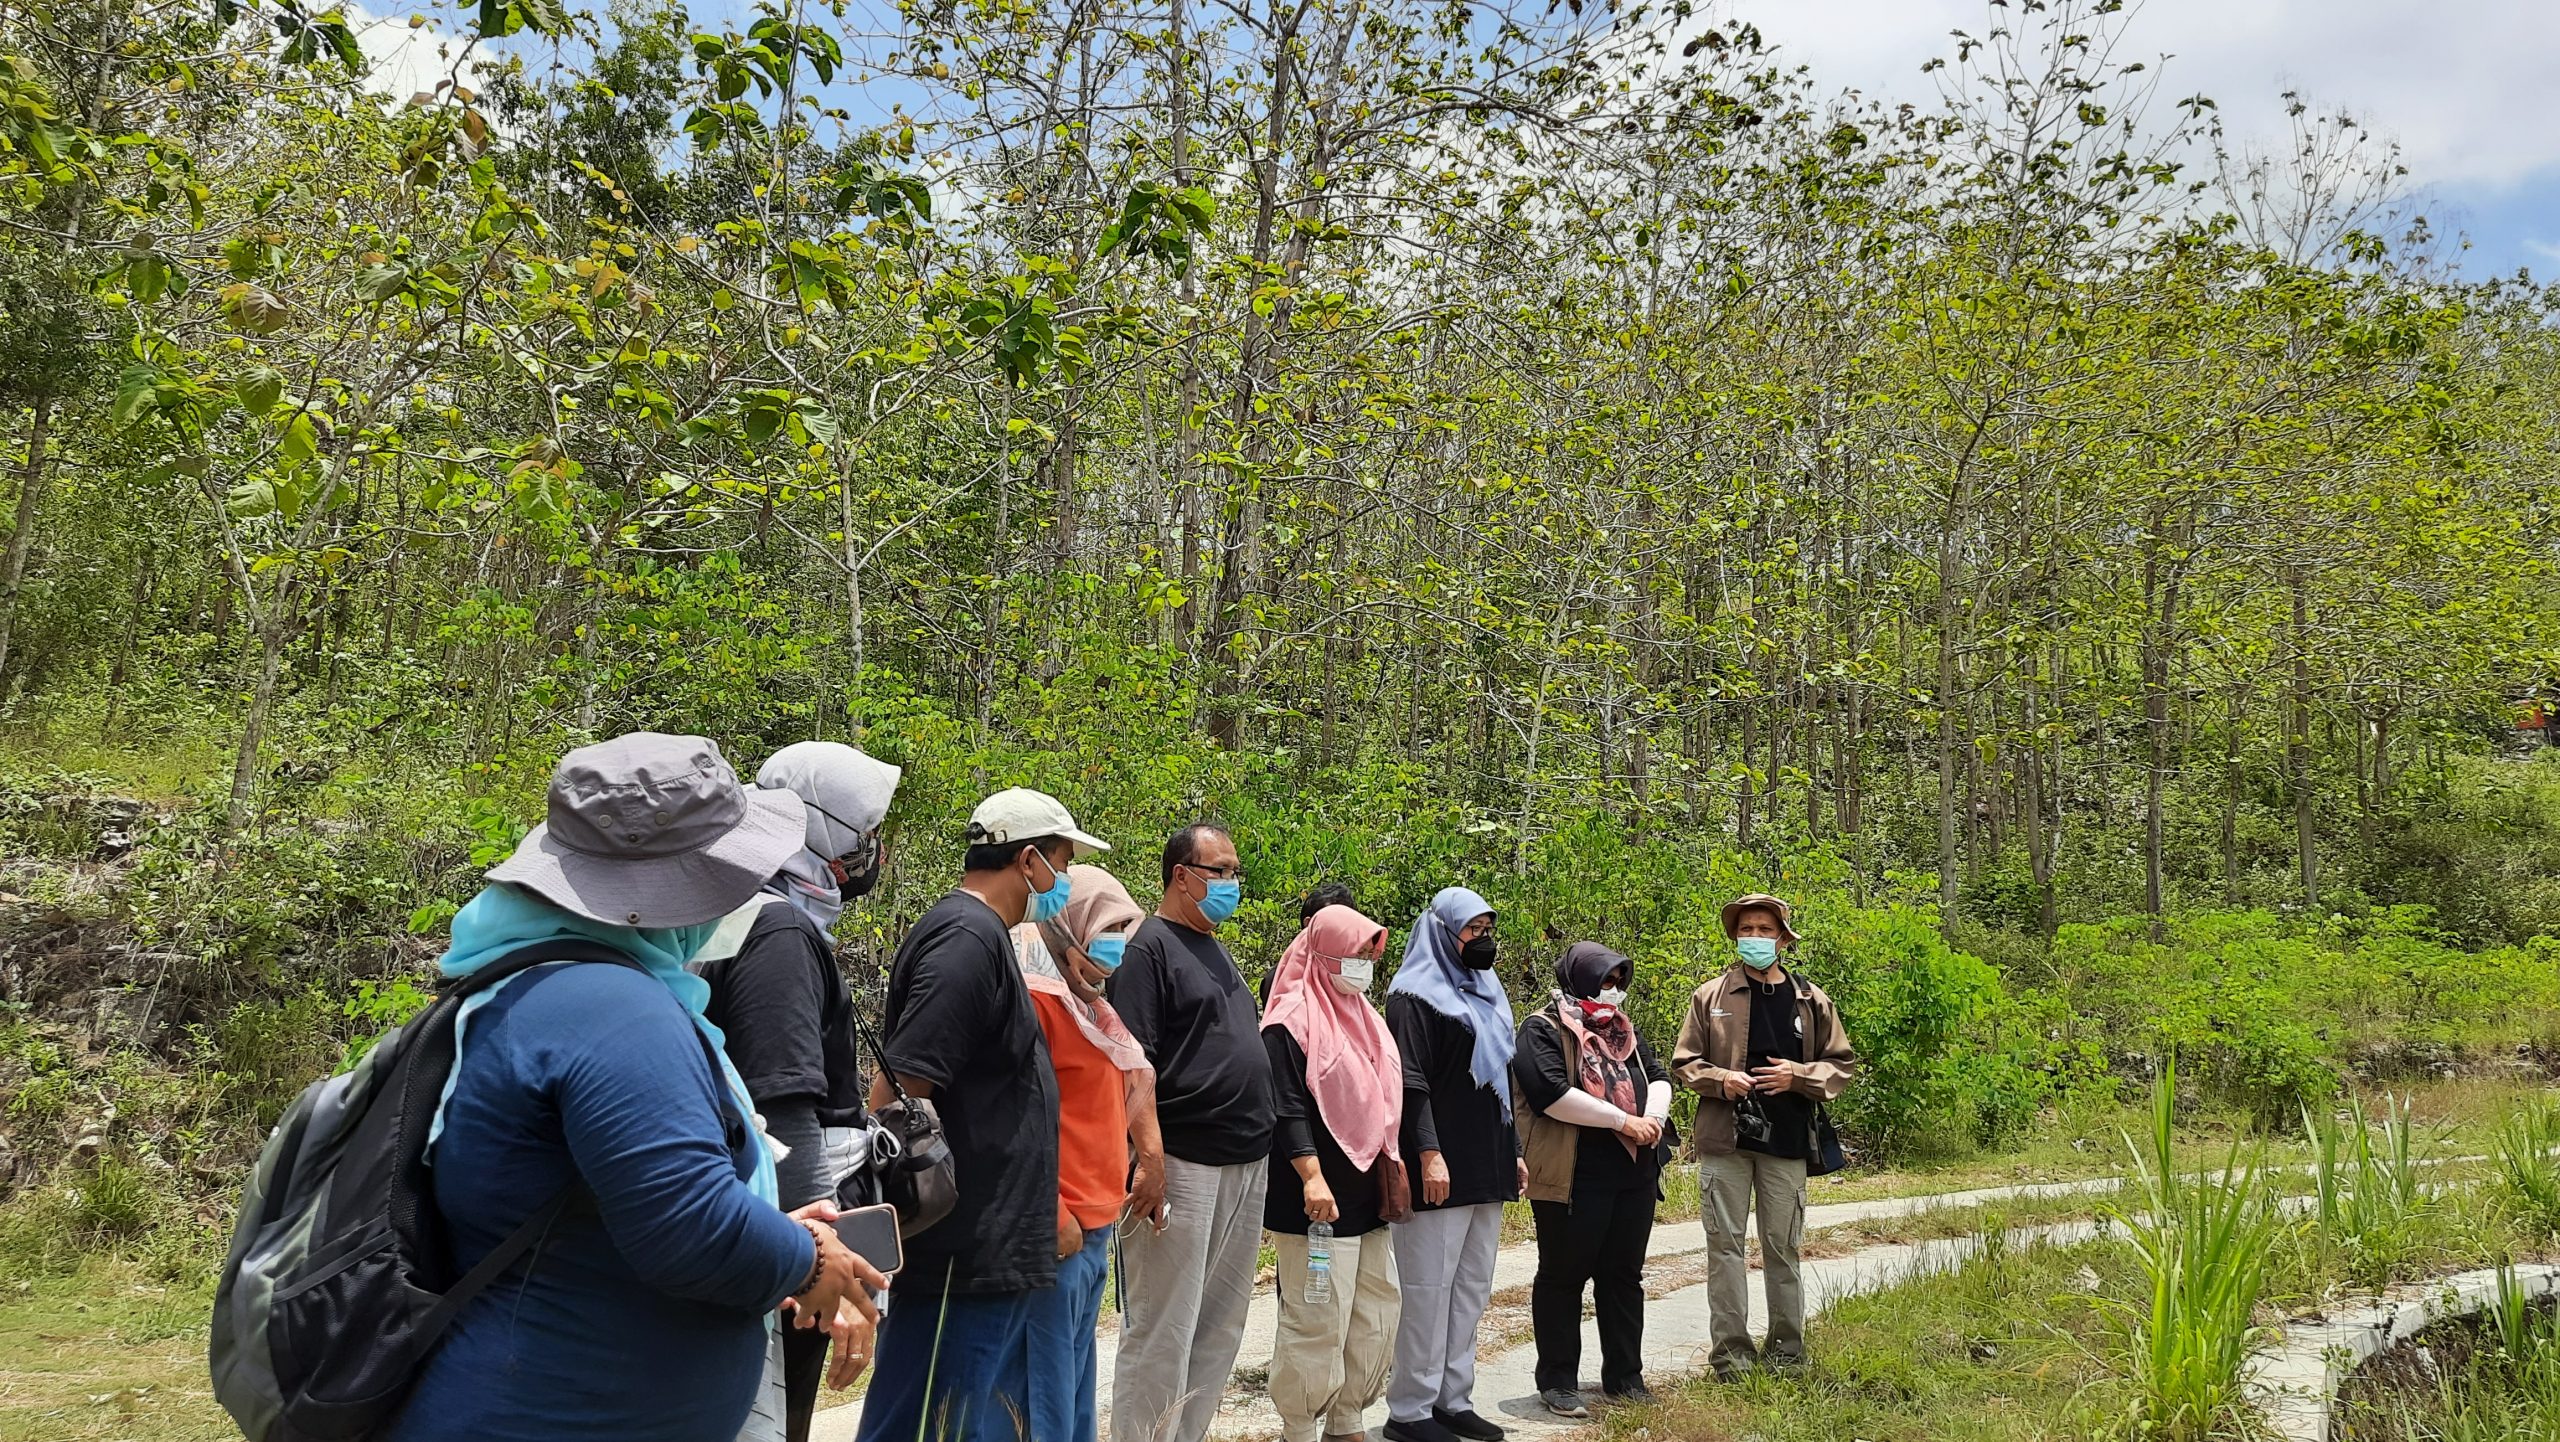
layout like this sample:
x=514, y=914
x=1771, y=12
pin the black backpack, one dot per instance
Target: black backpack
x=339, y=1282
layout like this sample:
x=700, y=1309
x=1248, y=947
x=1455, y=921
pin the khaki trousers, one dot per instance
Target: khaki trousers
x=1329, y=1362
x=1729, y=1186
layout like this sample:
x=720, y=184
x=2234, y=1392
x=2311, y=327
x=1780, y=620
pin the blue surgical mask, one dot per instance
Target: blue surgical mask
x=1107, y=951
x=1047, y=904
x=1221, y=900
x=1757, y=952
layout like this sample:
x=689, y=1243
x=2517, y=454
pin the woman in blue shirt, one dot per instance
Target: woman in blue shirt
x=645, y=1313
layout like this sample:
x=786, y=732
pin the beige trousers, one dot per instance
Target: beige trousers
x=1729, y=1186
x=1329, y=1362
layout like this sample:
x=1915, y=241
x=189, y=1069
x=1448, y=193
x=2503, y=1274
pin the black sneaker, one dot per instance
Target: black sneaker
x=1564, y=1402
x=1426, y=1430
x=1467, y=1424
x=1638, y=1395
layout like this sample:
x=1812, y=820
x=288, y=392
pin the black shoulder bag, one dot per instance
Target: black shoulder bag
x=909, y=1154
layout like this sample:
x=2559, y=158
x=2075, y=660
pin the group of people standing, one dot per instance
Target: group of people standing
x=1109, y=1088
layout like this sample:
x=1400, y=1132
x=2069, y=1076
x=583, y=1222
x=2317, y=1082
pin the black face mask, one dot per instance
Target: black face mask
x=851, y=883
x=1477, y=954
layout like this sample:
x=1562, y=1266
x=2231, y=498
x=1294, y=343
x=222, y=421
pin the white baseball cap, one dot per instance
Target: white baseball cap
x=1020, y=814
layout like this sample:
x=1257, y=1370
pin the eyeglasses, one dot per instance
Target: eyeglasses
x=1214, y=873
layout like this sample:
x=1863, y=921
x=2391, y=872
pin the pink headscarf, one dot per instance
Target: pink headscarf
x=1352, y=1066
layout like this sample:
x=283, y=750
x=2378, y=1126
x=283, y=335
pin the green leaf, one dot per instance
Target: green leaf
x=136, y=390
x=259, y=390
x=381, y=280
x=300, y=441
x=251, y=499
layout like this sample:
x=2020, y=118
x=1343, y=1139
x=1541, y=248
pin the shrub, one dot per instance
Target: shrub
x=2372, y=1214
x=1944, y=1050
x=2528, y=1170
x=113, y=1198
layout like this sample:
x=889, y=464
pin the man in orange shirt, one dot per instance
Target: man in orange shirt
x=1106, y=1114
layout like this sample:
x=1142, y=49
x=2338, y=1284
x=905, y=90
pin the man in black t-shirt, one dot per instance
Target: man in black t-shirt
x=959, y=1028
x=1188, y=1283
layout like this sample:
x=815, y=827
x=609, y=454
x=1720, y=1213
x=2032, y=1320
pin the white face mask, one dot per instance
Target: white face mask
x=1357, y=973
x=1612, y=996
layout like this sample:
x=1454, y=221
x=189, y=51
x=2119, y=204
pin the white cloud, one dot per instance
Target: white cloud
x=2462, y=85
x=2548, y=250
x=409, y=58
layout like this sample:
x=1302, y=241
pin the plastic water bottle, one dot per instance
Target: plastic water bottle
x=1319, y=1262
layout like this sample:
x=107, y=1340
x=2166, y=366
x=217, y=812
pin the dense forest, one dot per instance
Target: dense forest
x=1563, y=447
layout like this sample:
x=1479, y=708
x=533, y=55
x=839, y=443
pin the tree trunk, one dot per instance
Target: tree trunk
x=1742, y=802
x=1186, y=480
x=1949, y=782
x=13, y=568
x=2231, y=797
x=2297, y=759
x=245, y=768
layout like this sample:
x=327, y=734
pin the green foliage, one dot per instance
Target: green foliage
x=376, y=1008
x=1943, y=1047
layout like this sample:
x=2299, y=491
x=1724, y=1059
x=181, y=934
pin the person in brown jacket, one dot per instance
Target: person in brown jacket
x=1761, y=1047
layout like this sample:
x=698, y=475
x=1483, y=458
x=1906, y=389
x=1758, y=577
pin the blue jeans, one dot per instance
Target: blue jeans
x=1062, y=1350
x=951, y=1368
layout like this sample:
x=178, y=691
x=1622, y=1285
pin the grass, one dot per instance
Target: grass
x=2374, y=1206
x=2523, y=1147
x=2004, y=1349
x=108, y=1349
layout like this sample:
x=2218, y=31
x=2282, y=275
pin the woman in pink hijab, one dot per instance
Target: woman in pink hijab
x=1339, y=1095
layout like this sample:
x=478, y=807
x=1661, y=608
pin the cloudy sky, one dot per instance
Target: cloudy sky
x=2466, y=87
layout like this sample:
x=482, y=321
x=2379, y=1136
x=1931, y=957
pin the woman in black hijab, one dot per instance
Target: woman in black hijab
x=1593, y=1106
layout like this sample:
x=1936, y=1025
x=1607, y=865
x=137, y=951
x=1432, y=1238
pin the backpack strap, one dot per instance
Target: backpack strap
x=507, y=1253
x=541, y=953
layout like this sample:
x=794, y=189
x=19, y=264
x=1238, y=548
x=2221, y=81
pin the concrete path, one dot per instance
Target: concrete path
x=1676, y=1332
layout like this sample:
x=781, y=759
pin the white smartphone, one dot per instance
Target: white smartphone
x=872, y=1234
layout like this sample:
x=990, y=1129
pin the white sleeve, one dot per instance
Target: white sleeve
x=1657, y=1101
x=1582, y=1109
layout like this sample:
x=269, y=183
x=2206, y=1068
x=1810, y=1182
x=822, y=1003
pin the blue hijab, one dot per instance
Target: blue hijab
x=1433, y=973
x=504, y=919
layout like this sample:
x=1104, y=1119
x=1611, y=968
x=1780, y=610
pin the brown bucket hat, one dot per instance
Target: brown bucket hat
x=1733, y=914
x=652, y=830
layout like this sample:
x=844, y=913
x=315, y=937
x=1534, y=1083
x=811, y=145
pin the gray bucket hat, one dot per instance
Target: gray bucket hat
x=651, y=830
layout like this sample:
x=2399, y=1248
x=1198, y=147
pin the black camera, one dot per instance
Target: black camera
x=1751, y=1122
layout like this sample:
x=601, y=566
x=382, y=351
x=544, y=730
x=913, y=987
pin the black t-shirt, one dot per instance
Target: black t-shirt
x=1186, y=1003
x=1299, y=1131
x=959, y=1016
x=1776, y=1034
x=1446, y=1110
x=1600, y=1160
x=788, y=1020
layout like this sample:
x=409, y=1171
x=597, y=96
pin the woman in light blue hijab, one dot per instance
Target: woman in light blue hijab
x=644, y=1314
x=1452, y=1024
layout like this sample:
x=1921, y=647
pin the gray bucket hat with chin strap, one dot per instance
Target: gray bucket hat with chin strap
x=652, y=830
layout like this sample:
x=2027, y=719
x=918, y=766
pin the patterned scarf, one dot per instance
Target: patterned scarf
x=1607, y=1050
